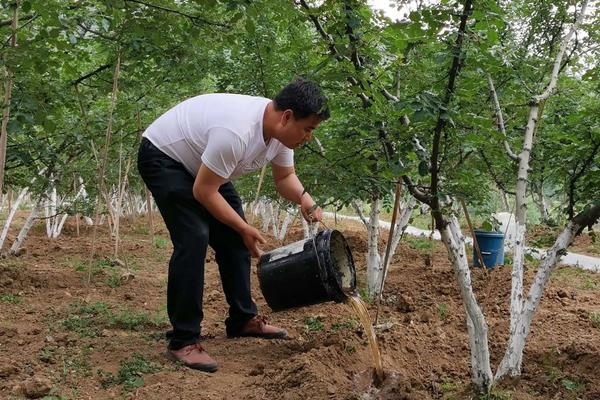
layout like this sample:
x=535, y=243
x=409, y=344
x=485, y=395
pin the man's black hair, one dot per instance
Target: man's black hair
x=304, y=98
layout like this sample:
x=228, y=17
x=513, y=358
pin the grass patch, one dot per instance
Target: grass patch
x=595, y=318
x=572, y=385
x=442, y=311
x=497, y=394
x=576, y=278
x=344, y=325
x=131, y=373
x=313, y=324
x=422, y=244
x=11, y=299
x=88, y=320
x=160, y=242
x=84, y=318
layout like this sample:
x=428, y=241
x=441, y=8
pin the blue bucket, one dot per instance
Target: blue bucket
x=491, y=245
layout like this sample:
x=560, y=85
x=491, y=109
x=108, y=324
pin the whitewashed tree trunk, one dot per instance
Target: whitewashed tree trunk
x=513, y=357
x=267, y=216
x=541, y=203
x=477, y=327
x=275, y=219
x=11, y=215
x=517, y=306
x=25, y=228
x=289, y=217
x=374, y=261
x=401, y=224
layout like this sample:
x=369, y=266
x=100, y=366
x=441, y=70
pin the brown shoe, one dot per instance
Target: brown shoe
x=193, y=356
x=258, y=327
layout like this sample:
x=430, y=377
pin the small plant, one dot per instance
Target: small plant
x=132, y=371
x=46, y=354
x=313, y=324
x=572, y=385
x=345, y=325
x=85, y=318
x=443, y=311
x=364, y=294
x=349, y=349
x=11, y=298
x=496, y=394
x=594, y=316
x=448, y=386
x=114, y=279
x=160, y=242
x=132, y=320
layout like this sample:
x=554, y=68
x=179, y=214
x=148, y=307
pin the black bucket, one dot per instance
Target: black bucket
x=308, y=272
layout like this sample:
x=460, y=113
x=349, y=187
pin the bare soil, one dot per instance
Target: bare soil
x=64, y=338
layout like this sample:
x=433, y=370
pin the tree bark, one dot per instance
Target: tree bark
x=8, y=84
x=513, y=357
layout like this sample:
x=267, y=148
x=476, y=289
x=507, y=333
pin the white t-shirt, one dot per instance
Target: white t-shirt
x=222, y=131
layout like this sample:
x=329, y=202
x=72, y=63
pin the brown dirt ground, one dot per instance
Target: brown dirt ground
x=63, y=338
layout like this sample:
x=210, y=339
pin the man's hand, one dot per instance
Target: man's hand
x=310, y=211
x=252, y=238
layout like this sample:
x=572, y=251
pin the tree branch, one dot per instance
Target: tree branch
x=557, y=63
x=500, y=120
x=193, y=18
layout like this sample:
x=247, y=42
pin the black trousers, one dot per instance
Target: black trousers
x=192, y=229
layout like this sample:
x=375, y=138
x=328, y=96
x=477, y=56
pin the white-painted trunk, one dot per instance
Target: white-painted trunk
x=477, y=327
x=518, y=326
x=25, y=228
x=275, y=220
x=374, y=261
x=290, y=214
x=401, y=224
x=11, y=215
x=513, y=357
x=267, y=216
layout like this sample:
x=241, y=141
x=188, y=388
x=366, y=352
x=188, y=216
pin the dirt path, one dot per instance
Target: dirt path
x=65, y=339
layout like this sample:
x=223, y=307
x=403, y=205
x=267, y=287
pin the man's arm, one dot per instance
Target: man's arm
x=206, y=191
x=289, y=186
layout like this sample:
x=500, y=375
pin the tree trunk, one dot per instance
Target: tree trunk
x=11, y=215
x=374, y=264
x=478, y=330
x=8, y=84
x=14, y=249
x=513, y=358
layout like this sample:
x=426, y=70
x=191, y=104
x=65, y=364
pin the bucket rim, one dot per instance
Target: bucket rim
x=489, y=234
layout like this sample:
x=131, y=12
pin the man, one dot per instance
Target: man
x=187, y=158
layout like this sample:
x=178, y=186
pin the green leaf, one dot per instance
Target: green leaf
x=423, y=168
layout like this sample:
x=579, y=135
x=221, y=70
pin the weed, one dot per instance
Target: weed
x=364, y=294
x=114, y=279
x=443, y=311
x=46, y=354
x=11, y=298
x=594, y=316
x=313, y=324
x=572, y=385
x=349, y=349
x=131, y=373
x=422, y=244
x=496, y=394
x=577, y=278
x=345, y=325
x=160, y=242
x=448, y=386
x=84, y=319
x=131, y=320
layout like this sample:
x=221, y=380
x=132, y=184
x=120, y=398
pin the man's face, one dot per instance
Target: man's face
x=297, y=131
